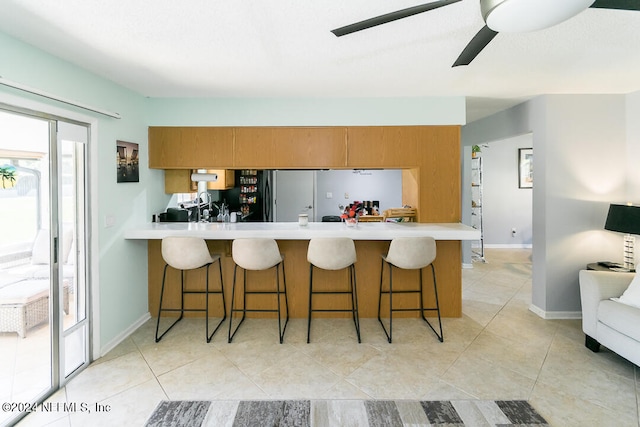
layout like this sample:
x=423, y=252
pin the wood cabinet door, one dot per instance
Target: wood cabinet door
x=190, y=147
x=440, y=179
x=179, y=180
x=384, y=146
x=287, y=148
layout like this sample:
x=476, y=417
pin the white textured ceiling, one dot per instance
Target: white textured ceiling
x=284, y=48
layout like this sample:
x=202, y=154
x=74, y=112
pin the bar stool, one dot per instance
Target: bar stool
x=189, y=253
x=409, y=253
x=258, y=254
x=333, y=254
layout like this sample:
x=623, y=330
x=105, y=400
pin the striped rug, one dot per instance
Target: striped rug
x=365, y=413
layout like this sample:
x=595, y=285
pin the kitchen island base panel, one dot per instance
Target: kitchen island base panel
x=447, y=264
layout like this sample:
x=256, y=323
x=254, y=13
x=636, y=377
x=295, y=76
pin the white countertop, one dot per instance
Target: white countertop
x=293, y=231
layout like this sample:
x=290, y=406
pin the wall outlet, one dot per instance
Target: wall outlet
x=329, y=195
x=346, y=195
x=109, y=220
x=513, y=232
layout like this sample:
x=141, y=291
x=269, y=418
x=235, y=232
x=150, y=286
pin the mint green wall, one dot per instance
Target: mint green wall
x=307, y=112
x=122, y=264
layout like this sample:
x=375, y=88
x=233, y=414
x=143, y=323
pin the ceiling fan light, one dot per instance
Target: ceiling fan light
x=516, y=16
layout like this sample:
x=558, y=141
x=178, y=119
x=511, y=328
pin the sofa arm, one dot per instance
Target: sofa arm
x=596, y=286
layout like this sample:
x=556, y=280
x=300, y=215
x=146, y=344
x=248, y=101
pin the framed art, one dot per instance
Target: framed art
x=127, y=162
x=525, y=168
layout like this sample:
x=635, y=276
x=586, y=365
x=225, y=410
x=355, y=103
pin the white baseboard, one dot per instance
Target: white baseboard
x=517, y=246
x=124, y=334
x=555, y=315
x=466, y=265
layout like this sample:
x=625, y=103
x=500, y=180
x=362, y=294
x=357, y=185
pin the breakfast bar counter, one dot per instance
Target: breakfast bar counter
x=371, y=240
x=293, y=231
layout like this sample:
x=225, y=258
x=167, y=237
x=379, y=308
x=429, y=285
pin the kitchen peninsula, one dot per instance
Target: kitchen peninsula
x=372, y=239
x=429, y=157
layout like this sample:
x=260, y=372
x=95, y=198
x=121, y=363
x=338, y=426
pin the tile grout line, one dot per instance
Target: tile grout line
x=150, y=369
x=484, y=328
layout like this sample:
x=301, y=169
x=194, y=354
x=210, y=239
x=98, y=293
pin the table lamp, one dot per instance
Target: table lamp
x=625, y=219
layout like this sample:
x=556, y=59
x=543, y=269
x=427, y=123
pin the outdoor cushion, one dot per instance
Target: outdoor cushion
x=24, y=292
x=40, y=252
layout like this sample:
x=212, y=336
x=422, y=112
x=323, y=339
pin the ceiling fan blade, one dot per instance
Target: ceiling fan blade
x=389, y=17
x=617, y=4
x=475, y=46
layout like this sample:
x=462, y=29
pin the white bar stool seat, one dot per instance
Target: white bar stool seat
x=333, y=254
x=410, y=253
x=258, y=254
x=189, y=253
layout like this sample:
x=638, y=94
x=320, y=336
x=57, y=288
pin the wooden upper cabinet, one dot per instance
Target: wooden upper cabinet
x=440, y=175
x=190, y=147
x=385, y=146
x=284, y=147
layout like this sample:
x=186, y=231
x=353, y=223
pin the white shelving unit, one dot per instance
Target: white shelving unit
x=476, y=207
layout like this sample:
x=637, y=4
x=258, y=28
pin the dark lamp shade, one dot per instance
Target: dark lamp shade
x=623, y=219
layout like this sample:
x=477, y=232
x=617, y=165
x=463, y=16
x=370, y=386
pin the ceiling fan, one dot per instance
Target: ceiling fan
x=509, y=16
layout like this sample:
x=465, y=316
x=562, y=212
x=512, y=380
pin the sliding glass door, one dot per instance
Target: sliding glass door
x=44, y=330
x=74, y=351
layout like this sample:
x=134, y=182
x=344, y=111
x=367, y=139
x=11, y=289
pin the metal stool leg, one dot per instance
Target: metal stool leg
x=164, y=276
x=310, y=305
x=282, y=329
x=380, y=292
x=224, y=306
x=390, y=292
x=206, y=306
x=286, y=298
x=233, y=301
x=354, y=300
x=437, y=308
x=390, y=303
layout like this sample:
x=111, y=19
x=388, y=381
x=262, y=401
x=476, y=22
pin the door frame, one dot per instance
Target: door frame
x=23, y=106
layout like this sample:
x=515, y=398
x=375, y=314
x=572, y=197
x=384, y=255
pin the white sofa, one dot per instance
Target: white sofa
x=607, y=322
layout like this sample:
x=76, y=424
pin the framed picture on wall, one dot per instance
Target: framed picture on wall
x=525, y=168
x=127, y=161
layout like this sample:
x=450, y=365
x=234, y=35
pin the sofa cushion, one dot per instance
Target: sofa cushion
x=631, y=296
x=621, y=317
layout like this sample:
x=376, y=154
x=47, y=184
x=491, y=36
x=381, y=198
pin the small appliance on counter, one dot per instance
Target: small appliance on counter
x=174, y=215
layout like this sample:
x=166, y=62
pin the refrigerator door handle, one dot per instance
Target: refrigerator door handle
x=266, y=200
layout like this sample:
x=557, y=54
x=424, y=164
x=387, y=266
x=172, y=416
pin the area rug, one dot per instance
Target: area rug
x=366, y=413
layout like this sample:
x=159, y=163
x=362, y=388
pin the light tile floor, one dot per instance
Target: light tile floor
x=497, y=350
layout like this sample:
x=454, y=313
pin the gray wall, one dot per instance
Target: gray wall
x=580, y=145
x=382, y=185
x=505, y=205
x=633, y=147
